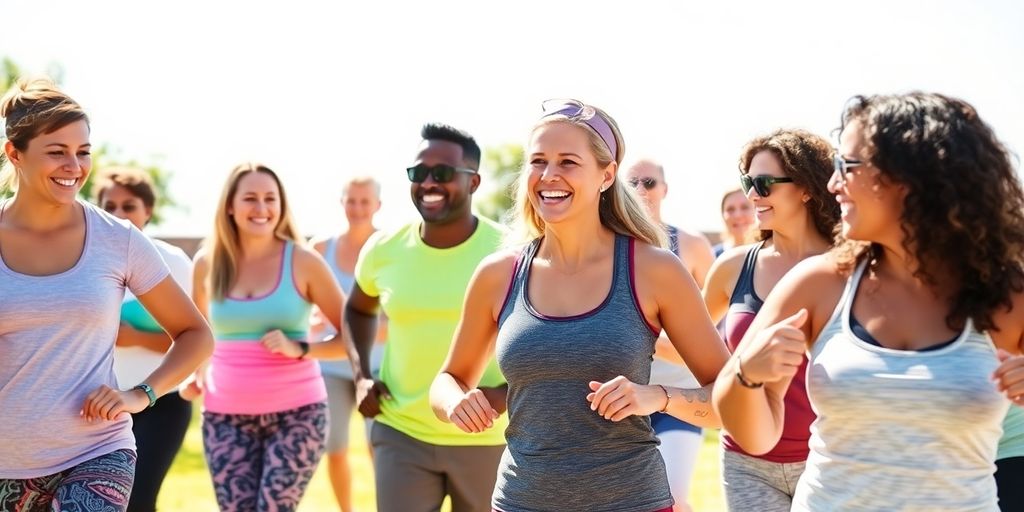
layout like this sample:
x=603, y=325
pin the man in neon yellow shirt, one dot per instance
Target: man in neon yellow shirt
x=418, y=275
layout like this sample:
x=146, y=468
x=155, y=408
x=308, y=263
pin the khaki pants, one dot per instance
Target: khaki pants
x=413, y=476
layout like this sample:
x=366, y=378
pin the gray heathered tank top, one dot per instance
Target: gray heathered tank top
x=560, y=454
x=900, y=430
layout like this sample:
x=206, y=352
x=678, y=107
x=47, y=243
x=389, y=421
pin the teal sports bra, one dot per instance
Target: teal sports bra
x=283, y=308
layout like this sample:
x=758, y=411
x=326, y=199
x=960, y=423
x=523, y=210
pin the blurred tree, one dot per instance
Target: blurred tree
x=102, y=155
x=502, y=165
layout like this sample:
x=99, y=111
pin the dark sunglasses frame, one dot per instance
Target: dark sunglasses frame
x=442, y=173
x=649, y=183
x=843, y=166
x=762, y=184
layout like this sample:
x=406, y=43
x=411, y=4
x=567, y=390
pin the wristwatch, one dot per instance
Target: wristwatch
x=149, y=392
x=304, y=345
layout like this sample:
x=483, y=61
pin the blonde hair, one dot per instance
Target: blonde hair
x=619, y=208
x=223, y=246
x=361, y=181
x=33, y=106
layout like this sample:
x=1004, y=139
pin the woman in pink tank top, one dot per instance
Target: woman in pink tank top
x=785, y=175
x=265, y=411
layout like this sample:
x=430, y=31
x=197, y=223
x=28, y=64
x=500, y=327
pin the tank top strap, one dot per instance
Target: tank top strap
x=673, y=238
x=623, y=266
x=287, y=282
x=331, y=253
x=514, y=297
x=745, y=282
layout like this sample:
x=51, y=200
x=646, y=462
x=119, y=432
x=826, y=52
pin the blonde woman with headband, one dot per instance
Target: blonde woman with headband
x=65, y=266
x=573, y=318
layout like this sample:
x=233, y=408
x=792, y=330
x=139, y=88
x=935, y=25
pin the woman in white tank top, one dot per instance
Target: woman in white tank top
x=909, y=324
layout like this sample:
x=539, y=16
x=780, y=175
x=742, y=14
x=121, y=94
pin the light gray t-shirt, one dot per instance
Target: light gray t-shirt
x=57, y=337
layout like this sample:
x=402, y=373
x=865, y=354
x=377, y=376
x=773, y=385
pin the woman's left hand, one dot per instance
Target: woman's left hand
x=620, y=398
x=1009, y=376
x=107, y=403
x=276, y=342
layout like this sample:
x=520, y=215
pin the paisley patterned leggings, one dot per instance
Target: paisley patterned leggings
x=102, y=484
x=263, y=462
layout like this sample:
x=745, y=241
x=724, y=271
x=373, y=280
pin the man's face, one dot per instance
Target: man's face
x=647, y=179
x=443, y=202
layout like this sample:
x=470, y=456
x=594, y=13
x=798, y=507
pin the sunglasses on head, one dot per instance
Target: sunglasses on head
x=649, y=183
x=442, y=173
x=762, y=184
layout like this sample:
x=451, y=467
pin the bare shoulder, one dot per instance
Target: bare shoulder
x=306, y=256
x=201, y=260
x=816, y=283
x=821, y=270
x=692, y=236
x=319, y=244
x=1010, y=324
x=497, y=268
x=733, y=258
x=656, y=265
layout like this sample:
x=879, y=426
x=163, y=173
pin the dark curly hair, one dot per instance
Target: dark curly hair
x=963, y=216
x=807, y=158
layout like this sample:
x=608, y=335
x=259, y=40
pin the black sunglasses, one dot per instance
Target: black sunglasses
x=649, y=183
x=442, y=173
x=762, y=184
x=843, y=166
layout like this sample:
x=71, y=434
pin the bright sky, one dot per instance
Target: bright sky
x=320, y=91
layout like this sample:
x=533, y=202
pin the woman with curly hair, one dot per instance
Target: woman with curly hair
x=785, y=175
x=906, y=323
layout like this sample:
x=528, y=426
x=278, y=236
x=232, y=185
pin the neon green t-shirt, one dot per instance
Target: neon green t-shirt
x=421, y=289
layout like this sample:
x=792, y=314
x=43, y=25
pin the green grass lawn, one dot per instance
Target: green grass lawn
x=188, y=487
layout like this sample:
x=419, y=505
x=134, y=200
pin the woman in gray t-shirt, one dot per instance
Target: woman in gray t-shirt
x=64, y=269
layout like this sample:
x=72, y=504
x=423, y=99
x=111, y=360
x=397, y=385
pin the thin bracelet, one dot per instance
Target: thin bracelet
x=668, y=398
x=743, y=380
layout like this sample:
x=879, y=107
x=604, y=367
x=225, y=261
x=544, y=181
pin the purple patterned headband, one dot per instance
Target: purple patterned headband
x=577, y=111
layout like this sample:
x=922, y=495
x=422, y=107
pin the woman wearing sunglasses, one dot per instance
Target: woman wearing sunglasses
x=575, y=315
x=908, y=324
x=128, y=193
x=785, y=176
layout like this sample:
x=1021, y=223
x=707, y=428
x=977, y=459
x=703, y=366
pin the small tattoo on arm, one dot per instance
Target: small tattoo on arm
x=701, y=395
x=701, y=414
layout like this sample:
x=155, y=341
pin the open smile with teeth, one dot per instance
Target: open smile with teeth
x=553, y=196
x=259, y=220
x=65, y=182
x=762, y=209
x=431, y=198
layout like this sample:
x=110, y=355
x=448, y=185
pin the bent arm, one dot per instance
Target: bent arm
x=689, y=329
x=473, y=344
x=192, y=339
x=361, y=313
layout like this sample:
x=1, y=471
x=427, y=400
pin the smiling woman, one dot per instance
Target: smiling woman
x=573, y=317
x=57, y=365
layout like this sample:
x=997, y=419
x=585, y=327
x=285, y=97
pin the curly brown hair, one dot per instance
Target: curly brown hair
x=807, y=158
x=963, y=215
